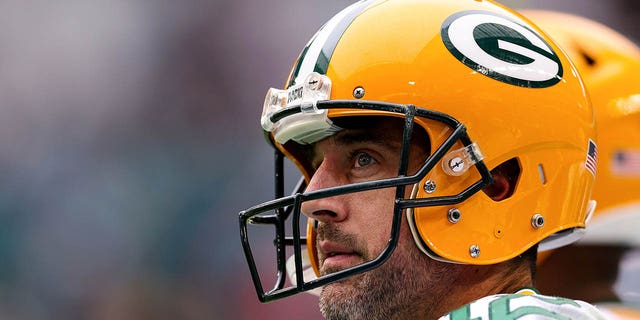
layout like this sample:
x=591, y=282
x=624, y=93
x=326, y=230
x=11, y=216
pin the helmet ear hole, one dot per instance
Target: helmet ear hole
x=505, y=179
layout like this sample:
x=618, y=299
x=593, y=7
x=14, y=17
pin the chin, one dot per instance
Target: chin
x=340, y=290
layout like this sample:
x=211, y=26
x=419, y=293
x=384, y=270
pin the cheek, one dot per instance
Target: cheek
x=374, y=215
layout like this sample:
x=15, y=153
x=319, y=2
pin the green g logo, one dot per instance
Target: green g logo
x=501, y=48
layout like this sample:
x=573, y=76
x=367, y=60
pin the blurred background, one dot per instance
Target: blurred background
x=129, y=142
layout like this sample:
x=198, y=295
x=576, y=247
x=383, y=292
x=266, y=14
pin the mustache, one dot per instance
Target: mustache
x=330, y=232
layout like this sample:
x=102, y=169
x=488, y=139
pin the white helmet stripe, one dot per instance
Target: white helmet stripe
x=319, y=50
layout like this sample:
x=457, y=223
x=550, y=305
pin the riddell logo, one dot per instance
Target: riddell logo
x=294, y=94
x=501, y=48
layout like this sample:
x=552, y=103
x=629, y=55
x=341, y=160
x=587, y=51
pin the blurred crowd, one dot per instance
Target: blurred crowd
x=129, y=141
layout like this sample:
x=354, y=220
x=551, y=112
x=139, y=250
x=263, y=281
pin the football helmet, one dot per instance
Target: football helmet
x=485, y=84
x=609, y=63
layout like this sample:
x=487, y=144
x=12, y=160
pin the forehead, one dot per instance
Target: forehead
x=380, y=131
x=385, y=131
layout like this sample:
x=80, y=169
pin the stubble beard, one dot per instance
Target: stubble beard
x=399, y=289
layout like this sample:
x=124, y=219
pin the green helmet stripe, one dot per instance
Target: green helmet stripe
x=317, y=53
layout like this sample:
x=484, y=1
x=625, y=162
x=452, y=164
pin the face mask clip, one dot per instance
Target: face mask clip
x=307, y=126
x=459, y=161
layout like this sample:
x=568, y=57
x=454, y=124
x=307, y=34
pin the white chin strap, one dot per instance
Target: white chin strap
x=307, y=271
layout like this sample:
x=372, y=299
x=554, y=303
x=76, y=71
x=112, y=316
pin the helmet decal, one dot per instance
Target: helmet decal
x=592, y=157
x=501, y=48
x=316, y=54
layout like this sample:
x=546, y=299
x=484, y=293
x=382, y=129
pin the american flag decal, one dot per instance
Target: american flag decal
x=592, y=158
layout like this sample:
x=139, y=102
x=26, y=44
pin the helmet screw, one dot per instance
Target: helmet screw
x=454, y=215
x=456, y=164
x=358, y=92
x=314, y=82
x=474, y=251
x=537, y=221
x=429, y=186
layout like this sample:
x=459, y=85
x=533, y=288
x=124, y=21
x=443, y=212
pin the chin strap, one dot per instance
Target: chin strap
x=307, y=271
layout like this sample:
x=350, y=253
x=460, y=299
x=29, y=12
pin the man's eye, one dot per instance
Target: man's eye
x=363, y=159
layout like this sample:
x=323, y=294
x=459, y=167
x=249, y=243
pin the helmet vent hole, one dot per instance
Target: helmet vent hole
x=543, y=176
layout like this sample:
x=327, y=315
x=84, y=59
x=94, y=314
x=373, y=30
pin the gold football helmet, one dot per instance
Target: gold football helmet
x=486, y=85
x=610, y=66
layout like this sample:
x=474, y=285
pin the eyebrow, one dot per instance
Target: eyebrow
x=351, y=137
x=361, y=136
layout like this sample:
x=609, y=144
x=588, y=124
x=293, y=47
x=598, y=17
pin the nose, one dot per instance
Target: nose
x=332, y=209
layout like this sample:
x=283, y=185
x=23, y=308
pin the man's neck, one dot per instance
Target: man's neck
x=475, y=282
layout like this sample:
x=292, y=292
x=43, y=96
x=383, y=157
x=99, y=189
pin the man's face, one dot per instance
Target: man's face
x=355, y=228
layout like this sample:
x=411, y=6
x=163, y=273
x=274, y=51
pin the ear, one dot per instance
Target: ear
x=499, y=189
x=505, y=178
